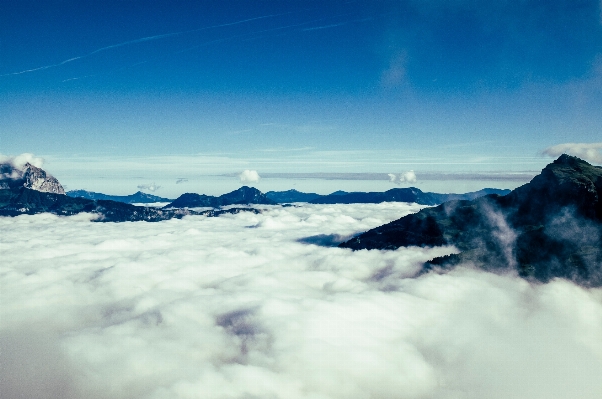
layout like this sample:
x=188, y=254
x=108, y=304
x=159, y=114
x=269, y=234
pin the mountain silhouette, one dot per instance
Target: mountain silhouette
x=550, y=227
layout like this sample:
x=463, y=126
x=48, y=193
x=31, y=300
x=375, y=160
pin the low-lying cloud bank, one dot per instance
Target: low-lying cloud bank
x=241, y=306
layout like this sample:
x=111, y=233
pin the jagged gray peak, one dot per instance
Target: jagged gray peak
x=37, y=179
x=30, y=177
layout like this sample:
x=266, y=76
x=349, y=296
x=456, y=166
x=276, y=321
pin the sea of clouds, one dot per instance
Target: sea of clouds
x=244, y=306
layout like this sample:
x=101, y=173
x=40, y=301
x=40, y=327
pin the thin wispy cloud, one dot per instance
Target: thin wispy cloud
x=139, y=40
x=324, y=27
x=180, y=33
x=287, y=149
x=105, y=73
x=336, y=25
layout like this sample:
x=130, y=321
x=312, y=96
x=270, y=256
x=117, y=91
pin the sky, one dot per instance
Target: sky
x=174, y=96
x=117, y=94
x=243, y=306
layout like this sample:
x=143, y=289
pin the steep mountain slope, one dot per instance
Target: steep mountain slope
x=549, y=227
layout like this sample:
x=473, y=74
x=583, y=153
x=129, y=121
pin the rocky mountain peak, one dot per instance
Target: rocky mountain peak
x=31, y=177
x=569, y=160
x=37, y=179
x=548, y=228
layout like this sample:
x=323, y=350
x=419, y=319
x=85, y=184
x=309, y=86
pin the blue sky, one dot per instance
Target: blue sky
x=285, y=86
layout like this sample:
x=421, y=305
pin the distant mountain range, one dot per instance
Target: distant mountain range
x=411, y=194
x=136, y=198
x=22, y=200
x=243, y=196
x=282, y=197
x=31, y=190
x=550, y=227
x=248, y=195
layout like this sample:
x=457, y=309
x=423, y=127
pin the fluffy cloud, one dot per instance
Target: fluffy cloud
x=407, y=177
x=18, y=162
x=150, y=187
x=241, y=306
x=249, y=176
x=591, y=152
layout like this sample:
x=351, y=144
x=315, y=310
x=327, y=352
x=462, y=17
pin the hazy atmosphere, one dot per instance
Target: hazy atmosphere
x=187, y=269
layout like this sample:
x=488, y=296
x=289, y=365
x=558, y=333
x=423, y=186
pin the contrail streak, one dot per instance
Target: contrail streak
x=324, y=27
x=140, y=40
x=212, y=41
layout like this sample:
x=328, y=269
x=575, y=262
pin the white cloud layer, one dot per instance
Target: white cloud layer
x=249, y=176
x=19, y=161
x=237, y=307
x=591, y=152
x=407, y=177
x=150, y=187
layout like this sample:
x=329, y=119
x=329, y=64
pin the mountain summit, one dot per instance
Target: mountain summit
x=243, y=196
x=550, y=227
x=30, y=177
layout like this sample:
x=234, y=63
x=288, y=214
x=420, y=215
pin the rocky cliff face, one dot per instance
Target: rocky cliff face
x=37, y=179
x=30, y=177
x=550, y=227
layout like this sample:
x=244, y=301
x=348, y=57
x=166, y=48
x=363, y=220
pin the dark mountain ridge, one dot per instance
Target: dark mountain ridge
x=550, y=227
x=291, y=196
x=249, y=195
x=136, y=198
x=410, y=194
x=21, y=200
x=30, y=190
x=243, y=196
